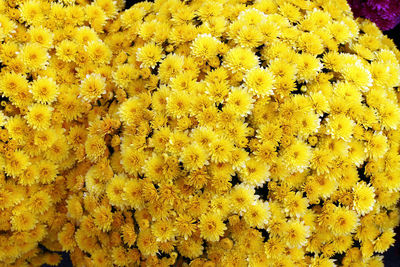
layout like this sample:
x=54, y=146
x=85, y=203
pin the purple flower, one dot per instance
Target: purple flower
x=385, y=13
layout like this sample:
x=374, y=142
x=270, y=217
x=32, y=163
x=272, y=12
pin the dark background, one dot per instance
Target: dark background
x=392, y=256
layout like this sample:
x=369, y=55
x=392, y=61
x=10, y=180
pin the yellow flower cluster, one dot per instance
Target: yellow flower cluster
x=201, y=133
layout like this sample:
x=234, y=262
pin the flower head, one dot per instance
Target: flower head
x=211, y=227
x=39, y=116
x=92, y=87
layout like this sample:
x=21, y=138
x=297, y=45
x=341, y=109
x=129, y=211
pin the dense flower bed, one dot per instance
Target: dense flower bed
x=215, y=133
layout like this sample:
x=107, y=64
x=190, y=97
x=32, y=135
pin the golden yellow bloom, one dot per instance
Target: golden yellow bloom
x=31, y=12
x=364, y=198
x=297, y=234
x=42, y=36
x=194, y=156
x=94, y=147
x=44, y=90
x=297, y=156
x=66, y=50
x=147, y=243
x=340, y=126
x=376, y=146
x=257, y=214
x=240, y=60
x=16, y=163
x=383, y=242
x=39, y=116
x=260, y=82
x=205, y=47
x=34, y=56
x=23, y=220
x=211, y=227
x=103, y=218
x=254, y=173
x=92, y=87
x=220, y=150
x=344, y=221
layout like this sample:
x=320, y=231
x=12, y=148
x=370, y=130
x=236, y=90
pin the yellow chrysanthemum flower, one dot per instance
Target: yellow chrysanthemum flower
x=240, y=60
x=344, y=221
x=211, y=227
x=363, y=198
x=92, y=87
x=34, y=56
x=44, y=90
x=39, y=116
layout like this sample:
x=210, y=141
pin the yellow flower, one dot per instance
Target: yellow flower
x=260, y=82
x=170, y=67
x=95, y=147
x=249, y=36
x=296, y=234
x=7, y=27
x=358, y=75
x=34, y=56
x=205, y=47
x=12, y=83
x=39, y=116
x=16, y=163
x=310, y=43
x=340, y=126
x=163, y=230
x=389, y=115
x=296, y=205
x=322, y=261
x=297, y=156
x=178, y=104
x=74, y=207
x=124, y=74
x=241, y=196
x=343, y=222
x=274, y=248
x=17, y=128
x=383, y=242
x=257, y=214
x=103, y=218
x=83, y=35
x=92, y=87
x=147, y=243
x=133, y=132
x=194, y=157
x=47, y=171
x=364, y=198
x=23, y=220
x=308, y=67
x=40, y=202
x=132, y=160
x=185, y=225
x=44, y=90
x=211, y=227
x=31, y=12
x=377, y=146
x=191, y=247
x=290, y=11
x=220, y=150
x=340, y=32
x=66, y=50
x=240, y=59
x=255, y=172
x=241, y=101
x=98, y=52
